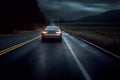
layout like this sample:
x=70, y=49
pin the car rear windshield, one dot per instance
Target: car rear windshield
x=52, y=27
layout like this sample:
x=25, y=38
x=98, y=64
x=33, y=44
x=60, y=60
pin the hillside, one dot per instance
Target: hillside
x=109, y=17
x=19, y=14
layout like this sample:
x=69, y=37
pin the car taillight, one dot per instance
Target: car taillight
x=58, y=32
x=44, y=32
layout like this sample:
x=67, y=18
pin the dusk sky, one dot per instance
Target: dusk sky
x=75, y=9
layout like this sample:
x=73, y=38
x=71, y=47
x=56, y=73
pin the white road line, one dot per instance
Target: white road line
x=100, y=48
x=84, y=72
x=97, y=47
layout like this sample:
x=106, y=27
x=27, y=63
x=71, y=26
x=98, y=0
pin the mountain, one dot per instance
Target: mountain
x=109, y=17
x=19, y=14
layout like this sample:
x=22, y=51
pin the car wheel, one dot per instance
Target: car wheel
x=42, y=39
x=60, y=40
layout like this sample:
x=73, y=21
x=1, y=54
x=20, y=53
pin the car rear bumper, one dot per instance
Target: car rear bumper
x=52, y=36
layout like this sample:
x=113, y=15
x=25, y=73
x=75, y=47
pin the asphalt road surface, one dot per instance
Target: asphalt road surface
x=71, y=59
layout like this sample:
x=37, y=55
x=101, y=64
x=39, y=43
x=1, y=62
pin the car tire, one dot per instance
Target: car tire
x=60, y=40
x=42, y=40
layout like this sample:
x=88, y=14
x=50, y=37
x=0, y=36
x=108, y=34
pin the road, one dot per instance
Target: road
x=71, y=59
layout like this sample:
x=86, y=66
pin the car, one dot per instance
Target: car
x=51, y=33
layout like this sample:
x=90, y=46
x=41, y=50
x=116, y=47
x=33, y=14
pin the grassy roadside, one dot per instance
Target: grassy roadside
x=105, y=37
x=18, y=32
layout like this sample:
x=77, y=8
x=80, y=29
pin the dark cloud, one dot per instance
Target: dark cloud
x=73, y=9
x=92, y=1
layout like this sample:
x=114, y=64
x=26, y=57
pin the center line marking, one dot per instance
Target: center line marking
x=84, y=72
x=17, y=46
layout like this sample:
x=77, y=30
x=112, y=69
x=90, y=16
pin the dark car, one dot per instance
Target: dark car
x=51, y=32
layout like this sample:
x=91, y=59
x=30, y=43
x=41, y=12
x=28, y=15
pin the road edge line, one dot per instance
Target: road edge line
x=96, y=46
x=84, y=72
